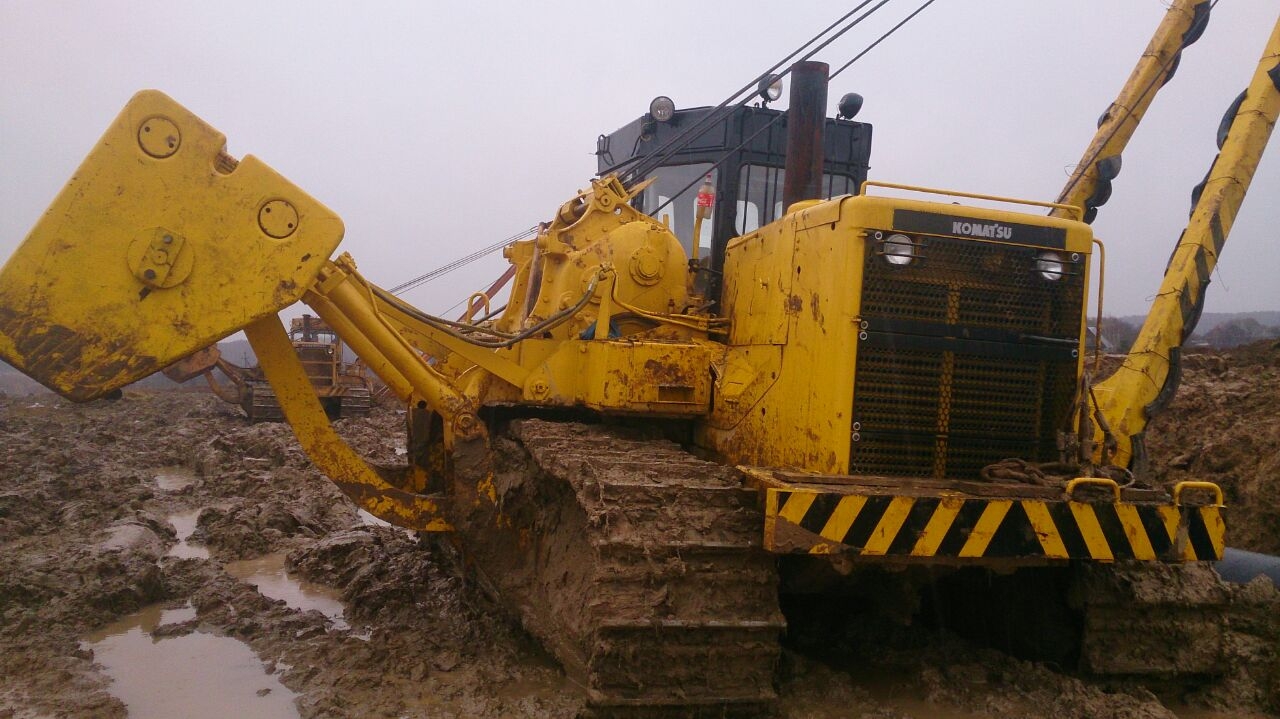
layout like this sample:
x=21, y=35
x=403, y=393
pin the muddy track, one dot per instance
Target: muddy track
x=355, y=402
x=638, y=565
x=260, y=404
x=85, y=526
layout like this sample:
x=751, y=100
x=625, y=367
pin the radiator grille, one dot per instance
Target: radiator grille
x=926, y=408
x=974, y=284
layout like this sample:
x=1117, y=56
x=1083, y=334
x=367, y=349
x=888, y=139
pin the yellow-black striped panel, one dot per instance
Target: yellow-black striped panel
x=881, y=525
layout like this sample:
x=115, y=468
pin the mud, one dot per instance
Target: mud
x=87, y=536
x=1223, y=425
x=88, y=531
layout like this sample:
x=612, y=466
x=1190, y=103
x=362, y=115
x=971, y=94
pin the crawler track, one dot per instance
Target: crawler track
x=1156, y=620
x=355, y=402
x=259, y=402
x=637, y=565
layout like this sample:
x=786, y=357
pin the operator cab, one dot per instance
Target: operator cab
x=750, y=146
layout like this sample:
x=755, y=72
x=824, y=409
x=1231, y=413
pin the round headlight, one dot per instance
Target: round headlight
x=662, y=108
x=899, y=250
x=1051, y=265
x=770, y=88
x=849, y=105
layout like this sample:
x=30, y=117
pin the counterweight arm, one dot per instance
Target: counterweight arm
x=355, y=477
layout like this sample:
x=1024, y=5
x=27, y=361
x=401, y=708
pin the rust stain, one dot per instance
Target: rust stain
x=794, y=305
x=816, y=310
x=664, y=373
x=56, y=357
x=284, y=294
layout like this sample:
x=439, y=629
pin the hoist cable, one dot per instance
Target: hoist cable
x=682, y=140
x=724, y=158
x=460, y=262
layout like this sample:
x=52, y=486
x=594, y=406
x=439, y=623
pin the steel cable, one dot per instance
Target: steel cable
x=772, y=122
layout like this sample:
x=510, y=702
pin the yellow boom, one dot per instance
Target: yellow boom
x=1149, y=375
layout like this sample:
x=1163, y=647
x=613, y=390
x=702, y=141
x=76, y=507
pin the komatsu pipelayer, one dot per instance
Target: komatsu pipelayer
x=847, y=382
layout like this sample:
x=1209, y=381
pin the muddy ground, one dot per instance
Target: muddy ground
x=86, y=531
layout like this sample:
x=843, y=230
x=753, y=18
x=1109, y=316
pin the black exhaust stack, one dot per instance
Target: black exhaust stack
x=806, y=117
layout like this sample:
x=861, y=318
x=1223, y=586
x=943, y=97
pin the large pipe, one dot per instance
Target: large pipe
x=806, y=117
x=1241, y=567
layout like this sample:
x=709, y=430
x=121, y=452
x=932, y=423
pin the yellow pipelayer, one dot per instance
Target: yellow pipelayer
x=869, y=361
x=775, y=366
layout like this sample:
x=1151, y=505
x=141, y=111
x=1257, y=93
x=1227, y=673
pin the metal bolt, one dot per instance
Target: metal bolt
x=159, y=137
x=167, y=239
x=278, y=218
x=465, y=424
x=149, y=274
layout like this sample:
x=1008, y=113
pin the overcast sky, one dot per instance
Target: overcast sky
x=435, y=129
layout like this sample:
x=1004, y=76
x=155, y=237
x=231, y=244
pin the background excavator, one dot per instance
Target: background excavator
x=343, y=387
x=648, y=441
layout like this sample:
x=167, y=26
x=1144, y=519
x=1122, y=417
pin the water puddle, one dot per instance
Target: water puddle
x=185, y=523
x=174, y=479
x=196, y=676
x=269, y=575
x=146, y=619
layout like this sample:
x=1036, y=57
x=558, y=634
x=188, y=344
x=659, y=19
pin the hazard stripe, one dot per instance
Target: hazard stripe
x=1091, y=531
x=958, y=535
x=1046, y=531
x=1154, y=525
x=868, y=519
x=972, y=527
x=918, y=518
x=1135, y=532
x=1065, y=521
x=797, y=504
x=815, y=517
x=1113, y=531
x=887, y=529
x=933, y=533
x=1201, y=540
x=986, y=528
x=1216, y=529
x=1181, y=548
x=842, y=517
